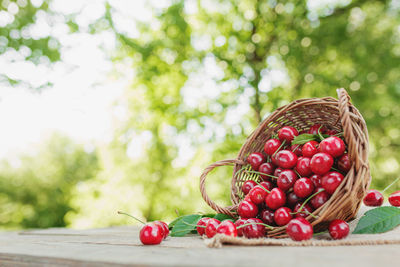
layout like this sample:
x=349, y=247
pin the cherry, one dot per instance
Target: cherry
x=314, y=129
x=287, y=133
x=302, y=212
x=267, y=168
x=303, y=166
x=247, y=209
x=201, y=225
x=238, y=223
x=338, y=229
x=267, y=185
x=309, y=149
x=278, y=171
x=321, y=163
x=228, y=228
x=275, y=199
x=292, y=199
x=286, y=159
x=211, y=227
x=344, y=163
x=286, y=180
x=373, y=198
x=282, y=216
x=394, y=199
x=333, y=145
x=303, y=187
x=267, y=216
x=331, y=181
x=151, y=234
x=257, y=195
x=255, y=159
x=164, y=227
x=316, y=179
x=331, y=132
x=271, y=146
x=254, y=230
x=319, y=199
x=247, y=186
x=296, y=149
x=299, y=229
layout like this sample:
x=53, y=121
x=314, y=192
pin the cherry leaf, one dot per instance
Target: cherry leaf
x=378, y=220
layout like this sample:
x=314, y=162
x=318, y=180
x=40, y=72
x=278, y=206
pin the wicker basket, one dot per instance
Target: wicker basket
x=339, y=115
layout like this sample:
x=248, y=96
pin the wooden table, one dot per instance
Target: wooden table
x=121, y=246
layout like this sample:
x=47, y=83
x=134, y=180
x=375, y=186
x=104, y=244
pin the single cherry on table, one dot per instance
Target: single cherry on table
x=338, y=229
x=373, y=198
x=394, y=199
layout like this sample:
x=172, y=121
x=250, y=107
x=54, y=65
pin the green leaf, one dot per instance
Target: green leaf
x=185, y=224
x=378, y=220
x=303, y=138
x=222, y=217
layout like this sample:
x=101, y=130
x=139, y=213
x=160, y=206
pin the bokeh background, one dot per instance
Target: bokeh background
x=119, y=105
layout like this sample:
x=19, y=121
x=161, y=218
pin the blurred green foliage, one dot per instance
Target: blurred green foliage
x=205, y=74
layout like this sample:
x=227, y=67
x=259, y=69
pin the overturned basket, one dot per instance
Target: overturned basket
x=339, y=115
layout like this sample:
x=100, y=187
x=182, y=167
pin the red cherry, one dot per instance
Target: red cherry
x=287, y=133
x=282, y=216
x=333, y=145
x=267, y=168
x=201, y=225
x=344, y=163
x=257, y=195
x=394, y=199
x=296, y=149
x=303, y=166
x=331, y=181
x=228, y=228
x=319, y=199
x=238, y=223
x=267, y=185
x=255, y=160
x=309, y=149
x=211, y=227
x=316, y=179
x=303, y=212
x=247, y=209
x=271, y=146
x=321, y=163
x=314, y=129
x=292, y=199
x=247, y=186
x=338, y=229
x=286, y=159
x=303, y=187
x=275, y=199
x=373, y=198
x=331, y=132
x=267, y=216
x=165, y=228
x=151, y=234
x=286, y=179
x=299, y=229
x=278, y=171
x=254, y=230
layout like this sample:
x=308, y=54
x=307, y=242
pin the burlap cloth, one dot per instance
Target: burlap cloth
x=390, y=237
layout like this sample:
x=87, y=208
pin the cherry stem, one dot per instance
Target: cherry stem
x=241, y=169
x=319, y=133
x=124, y=213
x=295, y=148
x=387, y=187
x=195, y=225
x=276, y=151
x=260, y=173
x=265, y=189
x=297, y=173
x=247, y=224
x=338, y=134
x=320, y=233
x=308, y=199
x=333, y=168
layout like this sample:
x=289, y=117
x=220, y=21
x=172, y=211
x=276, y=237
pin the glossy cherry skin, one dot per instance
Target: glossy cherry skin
x=282, y=216
x=333, y=145
x=373, y=198
x=267, y=185
x=321, y=163
x=303, y=166
x=228, y=228
x=267, y=168
x=238, y=223
x=303, y=187
x=287, y=133
x=394, y=199
x=165, y=228
x=247, y=186
x=257, y=195
x=314, y=129
x=299, y=229
x=344, y=163
x=267, y=216
x=201, y=225
x=309, y=149
x=211, y=227
x=331, y=181
x=255, y=160
x=292, y=199
x=303, y=212
x=275, y=199
x=296, y=149
x=271, y=146
x=278, y=171
x=254, y=230
x=338, y=229
x=286, y=180
x=316, y=179
x=151, y=234
x=286, y=159
x=319, y=199
x=247, y=209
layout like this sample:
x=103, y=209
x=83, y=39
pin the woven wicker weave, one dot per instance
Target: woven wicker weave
x=336, y=114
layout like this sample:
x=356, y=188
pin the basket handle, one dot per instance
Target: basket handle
x=212, y=204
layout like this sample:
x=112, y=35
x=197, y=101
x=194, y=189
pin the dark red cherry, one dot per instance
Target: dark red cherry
x=257, y=195
x=247, y=209
x=321, y=163
x=238, y=223
x=275, y=199
x=394, y=199
x=303, y=187
x=255, y=160
x=292, y=199
x=228, y=228
x=319, y=199
x=333, y=145
x=267, y=216
x=267, y=168
x=267, y=185
x=271, y=146
x=211, y=227
x=331, y=132
x=247, y=186
x=282, y=216
x=331, y=181
x=165, y=228
x=299, y=229
x=278, y=171
x=286, y=180
x=287, y=133
x=344, y=163
x=201, y=225
x=302, y=212
x=373, y=198
x=309, y=149
x=286, y=159
x=303, y=166
x=314, y=129
x=296, y=149
x=254, y=230
x=151, y=234
x=316, y=179
x=339, y=229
